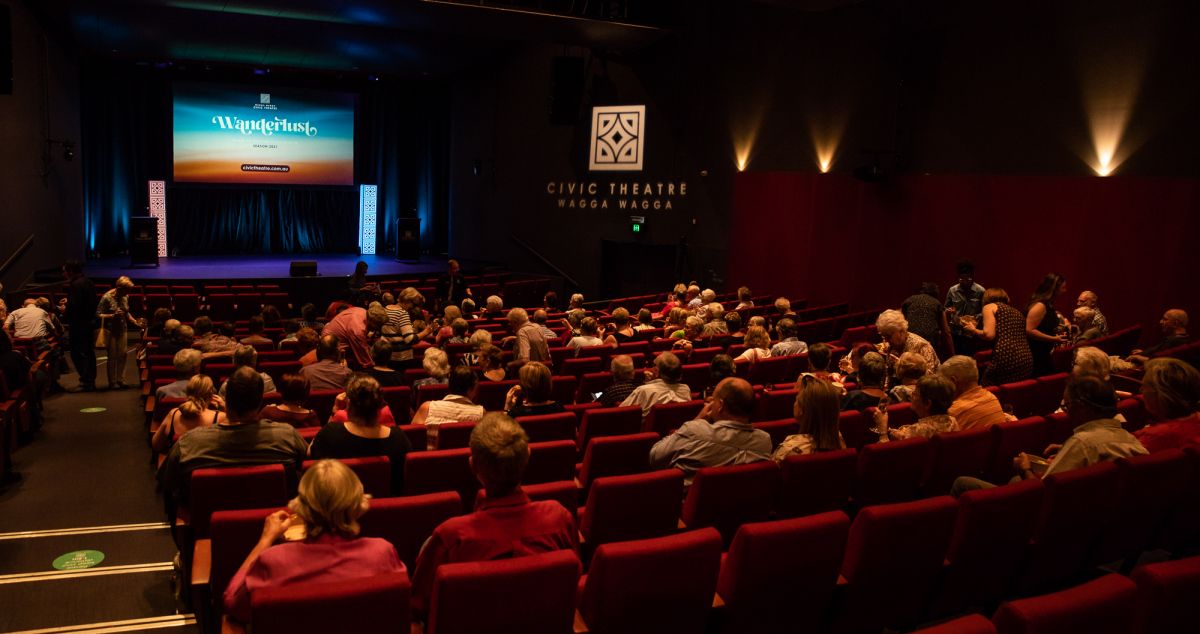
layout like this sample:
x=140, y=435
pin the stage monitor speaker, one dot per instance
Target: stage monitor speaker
x=303, y=268
x=143, y=241
x=566, y=90
x=6, y=50
x=408, y=239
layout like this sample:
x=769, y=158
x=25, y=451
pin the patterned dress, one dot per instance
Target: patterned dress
x=1011, y=359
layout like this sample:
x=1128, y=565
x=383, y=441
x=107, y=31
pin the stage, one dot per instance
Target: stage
x=266, y=267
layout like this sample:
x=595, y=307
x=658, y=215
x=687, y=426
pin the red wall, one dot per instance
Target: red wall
x=830, y=237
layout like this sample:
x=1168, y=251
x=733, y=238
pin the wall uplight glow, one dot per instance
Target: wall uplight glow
x=1111, y=61
x=1107, y=121
x=826, y=134
x=747, y=120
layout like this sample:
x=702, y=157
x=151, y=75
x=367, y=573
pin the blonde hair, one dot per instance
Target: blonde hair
x=480, y=337
x=330, y=499
x=436, y=363
x=199, y=394
x=1175, y=384
x=911, y=367
x=620, y=316
x=499, y=451
x=536, y=382
x=756, y=337
x=410, y=296
x=1091, y=361
x=123, y=282
x=451, y=313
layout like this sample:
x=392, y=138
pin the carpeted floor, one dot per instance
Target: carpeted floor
x=85, y=470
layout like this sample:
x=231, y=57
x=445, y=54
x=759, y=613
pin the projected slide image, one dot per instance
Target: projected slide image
x=238, y=134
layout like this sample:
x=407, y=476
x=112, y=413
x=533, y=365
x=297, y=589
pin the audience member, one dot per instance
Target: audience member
x=29, y=322
x=745, y=299
x=455, y=407
x=720, y=436
x=399, y=327
x=789, y=343
x=819, y=356
x=478, y=339
x=691, y=300
x=538, y=318
x=116, y=318
x=247, y=357
x=362, y=434
x=211, y=342
x=927, y=316
x=869, y=391
x=329, y=502
x=352, y=327
x=178, y=338
x=491, y=361
x=80, y=314
x=622, y=332
x=1084, y=329
x=1174, y=324
x=200, y=409
x=931, y=399
x=308, y=317
x=187, y=365
x=964, y=306
x=307, y=341
x=530, y=343
x=909, y=369
x=665, y=388
x=733, y=325
x=494, y=307
x=1089, y=299
x=256, y=337
x=714, y=320
x=622, y=385
x=270, y=316
x=720, y=368
x=293, y=391
x=445, y=325
x=783, y=307
x=893, y=329
x=1041, y=323
x=645, y=320
x=328, y=372
x=550, y=301
x=689, y=335
x=437, y=364
x=590, y=334
x=1004, y=327
x=468, y=308
x=1171, y=389
x=158, y=323
x=758, y=345
x=505, y=524
x=381, y=358
x=973, y=406
x=452, y=286
x=817, y=406
x=532, y=397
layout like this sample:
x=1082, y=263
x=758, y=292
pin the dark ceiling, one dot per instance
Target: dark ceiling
x=400, y=37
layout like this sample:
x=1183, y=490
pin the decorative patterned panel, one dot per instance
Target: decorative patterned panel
x=158, y=209
x=367, y=197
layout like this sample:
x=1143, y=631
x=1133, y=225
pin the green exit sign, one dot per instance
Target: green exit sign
x=637, y=228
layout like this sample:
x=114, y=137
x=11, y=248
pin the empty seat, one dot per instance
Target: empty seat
x=1050, y=393
x=890, y=472
x=727, y=497
x=547, y=427
x=321, y=402
x=615, y=455
x=233, y=488
x=1102, y=606
x=970, y=624
x=815, y=483
x=408, y=521
x=771, y=370
x=652, y=586
x=609, y=421
x=550, y=462
x=232, y=535
x=963, y=453
x=1148, y=488
x=697, y=376
x=1166, y=596
x=855, y=428
x=416, y=436
x=627, y=507
x=776, y=571
x=399, y=400
x=1027, y=435
x=774, y=405
x=563, y=388
x=443, y=470
x=490, y=394
x=579, y=366
x=453, y=435
x=371, y=605
x=893, y=557
x=668, y=417
x=531, y=595
x=1023, y=397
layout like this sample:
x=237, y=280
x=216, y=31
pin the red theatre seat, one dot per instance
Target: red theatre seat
x=727, y=497
x=1167, y=594
x=1103, y=606
x=628, y=507
x=371, y=605
x=408, y=521
x=833, y=469
x=530, y=595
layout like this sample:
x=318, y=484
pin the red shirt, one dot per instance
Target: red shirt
x=500, y=528
x=350, y=326
x=1181, y=433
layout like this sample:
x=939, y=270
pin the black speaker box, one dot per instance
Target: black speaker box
x=143, y=241
x=408, y=239
x=303, y=268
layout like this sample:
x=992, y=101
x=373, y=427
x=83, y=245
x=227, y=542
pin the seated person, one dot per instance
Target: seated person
x=745, y=299
x=328, y=505
x=1089, y=299
x=455, y=407
x=458, y=331
x=294, y=390
x=645, y=320
x=931, y=400
x=733, y=325
x=437, y=364
x=622, y=331
x=720, y=368
x=247, y=357
x=758, y=344
x=491, y=361
x=505, y=523
x=591, y=333
x=789, y=343
x=720, y=436
x=817, y=407
x=242, y=439
x=179, y=337
x=158, y=323
x=256, y=337
x=201, y=408
x=622, y=385
x=381, y=357
x=973, y=406
x=714, y=319
x=909, y=369
x=1092, y=405
x=893, y=329
x=361, y=435
x=329, y=372
x=783, y=307
x=307, y=341
x=666, y=388
x=1085, y=328
x=1172, y=392
x=872, y=370
x=532, y=397
x=477, y=340
x=1174, y=324
x=187, y=365
x=819, y=356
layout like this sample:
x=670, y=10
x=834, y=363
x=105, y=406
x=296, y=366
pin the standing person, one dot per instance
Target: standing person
x=530, y=343
x=964, y=305
x=113, y=310
x=927, y=317
x=353, y=328
x=1004, y=326
x=452, y=287
x=1041, y=323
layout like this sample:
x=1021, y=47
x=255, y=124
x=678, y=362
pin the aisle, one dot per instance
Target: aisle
x=87, y=485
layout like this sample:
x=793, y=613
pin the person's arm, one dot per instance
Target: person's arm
x=166, y=430
x=663, y=452
x=1037, y=313
x=1073, y=455
x=421, y=415
x=433, y=554
x=988, y=333
x=237, y=595
x=947, y=339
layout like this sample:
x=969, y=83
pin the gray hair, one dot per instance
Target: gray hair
x=891, y=321
x=480, y=337
x=962, y=370
x=245, y=355
x=187, y=361
x=494, y=302
x=708, y=296
x=622, y=367
x=783, y=305
x=716, y=310
x=436, y=363
x=1091, y=361
x=670, y=370
x=576, y=298
x=516, y=316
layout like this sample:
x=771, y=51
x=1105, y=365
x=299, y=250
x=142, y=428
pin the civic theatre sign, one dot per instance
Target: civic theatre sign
x=618, y=144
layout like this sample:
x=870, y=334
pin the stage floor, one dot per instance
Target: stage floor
x=260, y=267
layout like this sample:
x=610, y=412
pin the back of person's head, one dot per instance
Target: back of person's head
x=708, y=295
x=462, y=380
x=495, y=304
x=743, y=293
x=518, y=317
x=733, y=321
x=257, y=325
x=187, y=362
x=199, y=393
x=938, y=391
x=539, y=316
x=622, y=367
x=890, y=321
x=818, y=405
x=170, y=326
x=161, y=315
x=620, y=317
x=737, y=396
x=330, y=499
x=306, y=339
x=184, y=335
x=720, y=368
x=964, y=268
x=490, y=356
x=693, y=325
x=575, y=316
x=931, y=289
x=410, y=297
x=1091, y=361
x=757, y=320
x=1171, y=388
x=645, y=317
x=995, y=296
x=550, y=300
x=757, y=337
x=459, y=327
x=450, y=313
x=245, y=355
x=381, y=352
x=203, y=325
x=782, y=305
x=576, y=300
x=499, y=453
x=377, y=316
x=243, y=394
x=228, y=328
x=589, y=326
x=786, y=328
x=480, y=337
x=715, y=311
x=1048, y=288
x=872, y=370
x=670, y=370
x=911, y=367
x=536, y=382
x=467, y=307
x=363, y=399
x=818, y=357
x=436, y=363
x=270, y=316
x=308, y=312
x=1089, y=398
x=294, y=389
x=327, y=348
x=962, y=371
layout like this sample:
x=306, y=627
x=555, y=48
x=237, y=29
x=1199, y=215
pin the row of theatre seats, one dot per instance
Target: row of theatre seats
x=20, y=407
x=656, y=565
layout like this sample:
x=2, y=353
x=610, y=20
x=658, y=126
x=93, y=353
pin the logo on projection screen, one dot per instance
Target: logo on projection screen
x=618, y=139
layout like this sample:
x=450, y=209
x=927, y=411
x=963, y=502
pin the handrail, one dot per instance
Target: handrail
x=541, y=257
x=16, y=255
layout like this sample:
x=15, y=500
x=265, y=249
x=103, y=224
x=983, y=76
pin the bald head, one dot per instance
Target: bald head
x=736, y=398
x=1087, y=298
x=1175, y=321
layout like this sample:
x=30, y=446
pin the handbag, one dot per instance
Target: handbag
x=102, y=335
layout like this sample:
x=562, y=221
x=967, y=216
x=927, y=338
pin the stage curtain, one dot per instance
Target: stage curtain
x=401, y=145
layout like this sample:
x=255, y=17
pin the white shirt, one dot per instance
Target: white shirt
x=29, y=322
x=657, y=392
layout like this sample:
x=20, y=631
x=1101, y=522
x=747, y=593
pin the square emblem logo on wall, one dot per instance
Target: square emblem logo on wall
x=618, y=138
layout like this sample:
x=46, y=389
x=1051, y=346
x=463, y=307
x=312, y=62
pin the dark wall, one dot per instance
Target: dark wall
x=39, y=189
